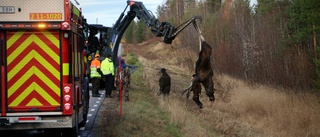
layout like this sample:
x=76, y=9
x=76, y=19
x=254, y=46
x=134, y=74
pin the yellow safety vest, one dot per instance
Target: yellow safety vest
x=95, y=64
x=107, y=67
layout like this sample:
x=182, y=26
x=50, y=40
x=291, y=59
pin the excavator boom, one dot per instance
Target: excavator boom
x=137, y=9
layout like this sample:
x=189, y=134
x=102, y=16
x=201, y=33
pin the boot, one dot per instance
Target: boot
x=199, y=104
x=109, y=96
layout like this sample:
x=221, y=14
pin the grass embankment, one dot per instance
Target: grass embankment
x=142, y=116
x=239, y=110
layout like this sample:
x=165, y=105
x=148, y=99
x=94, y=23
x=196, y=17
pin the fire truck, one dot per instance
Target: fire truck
x=43, y=85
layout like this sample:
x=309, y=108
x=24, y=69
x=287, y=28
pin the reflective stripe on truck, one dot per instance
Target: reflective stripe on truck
x=33, y=70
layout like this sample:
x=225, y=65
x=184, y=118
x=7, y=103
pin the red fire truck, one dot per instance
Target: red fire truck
x=43, y=85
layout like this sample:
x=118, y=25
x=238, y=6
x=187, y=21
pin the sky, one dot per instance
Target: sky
x=252, y=2
x=107, y=12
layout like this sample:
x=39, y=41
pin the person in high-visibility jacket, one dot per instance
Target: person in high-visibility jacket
x=107, y=68
x=95, y=75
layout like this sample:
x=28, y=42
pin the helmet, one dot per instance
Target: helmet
x=109, y=55
x=163, y=70
x=97, y=56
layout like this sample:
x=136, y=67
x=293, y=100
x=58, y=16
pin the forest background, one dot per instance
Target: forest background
x=274, y=42
x=266, y=70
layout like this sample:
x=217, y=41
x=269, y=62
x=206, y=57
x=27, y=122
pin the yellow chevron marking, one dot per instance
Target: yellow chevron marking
x=38, y=57
x=47, y=65
x=34, y=101
x=47, y=49
x=19, y=82
x=52, y=38
x=47, y=80
x=33, y=54
x=19, y=49
x=28, y=41
x=14, y=38
x=22, y=96
x=46, y=96
x=20, y=65
x=65, y=68
x=33, y=70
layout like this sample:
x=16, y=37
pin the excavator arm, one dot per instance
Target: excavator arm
x=137, y=9
x=159, y=29
x=163, y=29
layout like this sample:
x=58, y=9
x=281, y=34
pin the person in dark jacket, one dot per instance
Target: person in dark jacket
x=164, y=83
x=123, y=74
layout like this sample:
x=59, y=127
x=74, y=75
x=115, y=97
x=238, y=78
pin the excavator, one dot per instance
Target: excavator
x=110, y=37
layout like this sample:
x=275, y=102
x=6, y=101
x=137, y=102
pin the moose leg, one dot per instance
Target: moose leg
x=208, y=85
x=196, y=88
x=196, y=99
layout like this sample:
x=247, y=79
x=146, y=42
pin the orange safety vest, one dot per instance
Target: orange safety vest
x=95, y=64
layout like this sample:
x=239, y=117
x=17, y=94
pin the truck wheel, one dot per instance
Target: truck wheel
x=73, y=132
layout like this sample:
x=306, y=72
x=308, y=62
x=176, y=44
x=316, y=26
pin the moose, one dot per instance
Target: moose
x=203, y=75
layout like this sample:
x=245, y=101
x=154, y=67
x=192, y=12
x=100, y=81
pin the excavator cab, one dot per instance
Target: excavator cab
x=97, y=38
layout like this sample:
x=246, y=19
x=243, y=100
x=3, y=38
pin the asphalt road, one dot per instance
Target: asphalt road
x=95, y=103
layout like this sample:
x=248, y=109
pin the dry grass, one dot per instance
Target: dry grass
x=239, y=110
x=271, y=110
x=142, y=115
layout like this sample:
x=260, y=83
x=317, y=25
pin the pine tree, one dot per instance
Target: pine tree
x=304, y=29
x=129, y=33
x=140, y=31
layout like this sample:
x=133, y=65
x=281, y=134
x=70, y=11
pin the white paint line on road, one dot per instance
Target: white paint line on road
x=95, y=105
x=93, y=109
x=98, y=102
x=89, y=115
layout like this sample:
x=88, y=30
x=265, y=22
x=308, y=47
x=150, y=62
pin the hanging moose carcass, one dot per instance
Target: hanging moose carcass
x=203, y=75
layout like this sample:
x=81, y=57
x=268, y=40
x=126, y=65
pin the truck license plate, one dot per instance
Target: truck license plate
x=6, y=9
